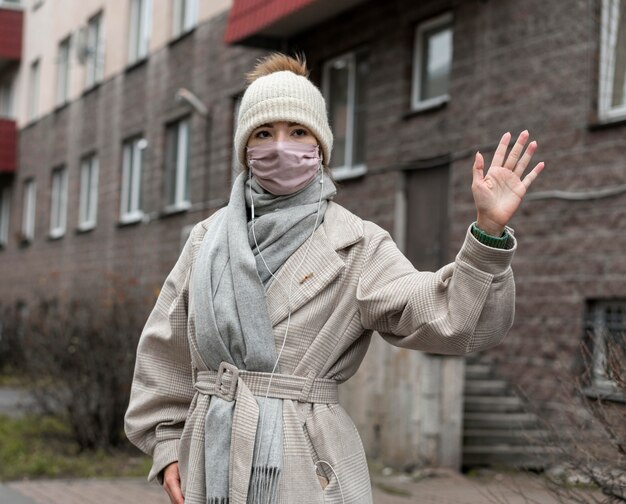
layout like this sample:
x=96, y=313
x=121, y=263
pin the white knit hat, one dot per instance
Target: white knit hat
x=283, y=96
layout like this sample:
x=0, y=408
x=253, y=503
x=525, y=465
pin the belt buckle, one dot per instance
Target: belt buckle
x=226, y=392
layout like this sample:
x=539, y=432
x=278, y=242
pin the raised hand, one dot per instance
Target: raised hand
x=499, y=192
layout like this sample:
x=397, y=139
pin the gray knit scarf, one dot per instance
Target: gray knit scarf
x=232, y=321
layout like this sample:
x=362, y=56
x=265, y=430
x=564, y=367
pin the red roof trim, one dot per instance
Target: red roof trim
x=248, y=17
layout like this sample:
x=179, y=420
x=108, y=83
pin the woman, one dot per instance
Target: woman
x=273, y=301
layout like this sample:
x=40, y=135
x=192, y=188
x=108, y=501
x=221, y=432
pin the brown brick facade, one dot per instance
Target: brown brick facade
x=516, y=65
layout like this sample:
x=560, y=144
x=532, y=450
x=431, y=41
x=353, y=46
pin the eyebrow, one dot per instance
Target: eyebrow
x=271, y=125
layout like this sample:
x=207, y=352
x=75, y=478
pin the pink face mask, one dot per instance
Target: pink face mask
x=283, y=167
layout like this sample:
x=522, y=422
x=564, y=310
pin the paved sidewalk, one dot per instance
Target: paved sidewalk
x=442, y=488
x=15, y=401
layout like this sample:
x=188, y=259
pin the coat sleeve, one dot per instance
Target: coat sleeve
x=465, y=306
x=162, y=387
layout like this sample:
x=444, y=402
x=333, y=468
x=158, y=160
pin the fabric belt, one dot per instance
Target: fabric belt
x=240, y=385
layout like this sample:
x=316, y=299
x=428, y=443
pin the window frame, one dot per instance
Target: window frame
x=596, y=328
x=64, y=50
x=34, y=85
x=184, y=16
x=5, y=209
x=58, y=202
x=348, y=169
x=182, y=198
x=608, y=43
x=139, y=30
x=132, y=154
x=421, y=29
x=29, y=202
x=94, y=47
x=88, y=201
x=7, y=98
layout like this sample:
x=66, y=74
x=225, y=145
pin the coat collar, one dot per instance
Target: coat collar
x=322, y=264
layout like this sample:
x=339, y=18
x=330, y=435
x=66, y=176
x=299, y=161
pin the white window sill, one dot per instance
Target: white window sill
x=431, y=103
x=131, y=218
x=605, y=392
x=610, y=116
x=137, y=62
x=182, y=34
x=349, y=172
x=176, y=208
x=55, y=234
x=86, y=226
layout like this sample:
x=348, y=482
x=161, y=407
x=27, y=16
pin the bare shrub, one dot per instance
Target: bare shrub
x=11, y=357
x=79, y=354
x=586, y=421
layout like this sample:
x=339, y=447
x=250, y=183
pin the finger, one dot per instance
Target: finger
x=172, y=487
x=477, y=169
x=530, y=178
x=498, y=157
x=516, y=151
x=175, y=494
x=523, y=162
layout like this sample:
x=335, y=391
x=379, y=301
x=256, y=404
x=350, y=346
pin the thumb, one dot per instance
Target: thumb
x=477, y=169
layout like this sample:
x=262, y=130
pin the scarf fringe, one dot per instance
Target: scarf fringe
x=263, y=485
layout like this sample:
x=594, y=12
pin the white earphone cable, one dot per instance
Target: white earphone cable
x=289, y=292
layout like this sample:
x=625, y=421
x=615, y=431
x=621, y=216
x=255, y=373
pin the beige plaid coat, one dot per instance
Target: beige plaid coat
x=354, y=281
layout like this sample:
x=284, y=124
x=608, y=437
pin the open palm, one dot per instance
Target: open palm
x=499, y=192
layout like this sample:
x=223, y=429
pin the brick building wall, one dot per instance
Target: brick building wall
x=530, y=65
x=516, y=65
x=139, y=101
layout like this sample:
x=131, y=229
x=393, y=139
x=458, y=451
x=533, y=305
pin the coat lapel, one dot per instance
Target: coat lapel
x=321, y=265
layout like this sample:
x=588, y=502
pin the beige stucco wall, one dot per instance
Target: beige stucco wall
x=48, y=24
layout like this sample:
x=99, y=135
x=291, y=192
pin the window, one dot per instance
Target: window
x=139, y=29
x=185, y=16
x=177, y=165
x=94, y=51
x=58, y=202
x=344, y=90
x=6, y=98
x=63, y=71
x=88, y=193
x=612, y=88
x=432, y=61
x=28, y=211
x=427, y=217
x=132, y=162
x=5, y=205
x=33, y=90
x=606, y=326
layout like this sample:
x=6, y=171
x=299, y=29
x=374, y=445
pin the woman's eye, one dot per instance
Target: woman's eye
x=300, y=132
x=262, y=134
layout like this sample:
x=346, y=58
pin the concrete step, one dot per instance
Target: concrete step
x=479, y=358
x=499, y=420
x=486, y=387
x=485, y=437
x=536, y=457
x=497, y=404
x=477, y=371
